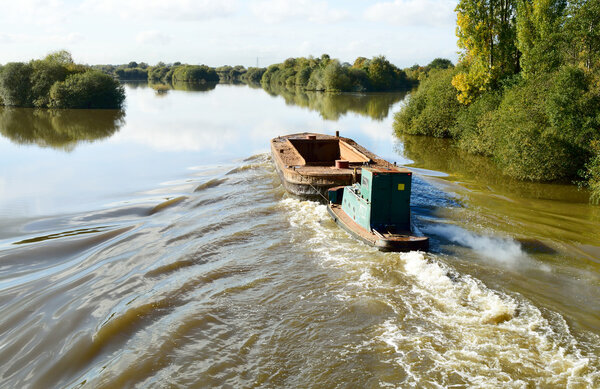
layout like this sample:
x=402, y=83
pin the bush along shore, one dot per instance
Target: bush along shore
x=526, y=92
x=57, y=82
x=178, y=72
x=326, y=74
x=308, y=74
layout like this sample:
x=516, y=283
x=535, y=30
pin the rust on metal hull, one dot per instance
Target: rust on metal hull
x=306, y=162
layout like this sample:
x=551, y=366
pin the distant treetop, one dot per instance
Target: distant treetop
x=58, y=82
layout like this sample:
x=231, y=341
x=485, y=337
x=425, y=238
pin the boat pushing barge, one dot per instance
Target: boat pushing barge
x=368, y=196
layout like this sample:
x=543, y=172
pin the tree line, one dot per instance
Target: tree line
x=176, y=71
x=56, y=81
x=526, y=91
x=327, y=74
x=131, y=71
x=311, y=74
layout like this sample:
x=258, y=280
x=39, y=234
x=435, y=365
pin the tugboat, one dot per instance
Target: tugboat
x=377, y=210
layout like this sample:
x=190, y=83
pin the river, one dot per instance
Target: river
x=156, y=247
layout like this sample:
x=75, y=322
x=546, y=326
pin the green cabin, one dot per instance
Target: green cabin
x=381, y=201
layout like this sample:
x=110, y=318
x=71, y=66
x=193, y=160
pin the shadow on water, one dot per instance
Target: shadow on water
x=332, y=106
x=59, y=129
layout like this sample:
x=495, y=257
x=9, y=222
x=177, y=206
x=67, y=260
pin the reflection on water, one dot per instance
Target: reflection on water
x=332, y=106
x=477, y=172
x=60, y=129
x=162, y=88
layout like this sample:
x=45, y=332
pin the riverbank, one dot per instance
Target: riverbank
x=533, y=110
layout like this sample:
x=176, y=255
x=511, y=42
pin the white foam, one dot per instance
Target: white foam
x=494, y=341
x=484, y=337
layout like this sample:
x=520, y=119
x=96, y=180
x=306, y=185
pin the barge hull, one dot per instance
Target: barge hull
x=308, y=164
x=303, y=189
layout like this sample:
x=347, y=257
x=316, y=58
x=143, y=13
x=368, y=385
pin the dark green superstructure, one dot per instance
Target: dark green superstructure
x=381, y=201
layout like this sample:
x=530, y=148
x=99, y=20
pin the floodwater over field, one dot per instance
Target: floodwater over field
x=157, y=247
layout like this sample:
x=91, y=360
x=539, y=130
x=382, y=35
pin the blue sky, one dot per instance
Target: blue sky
x=219, y=32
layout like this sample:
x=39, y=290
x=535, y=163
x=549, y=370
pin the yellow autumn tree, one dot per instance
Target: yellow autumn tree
x=486, y=32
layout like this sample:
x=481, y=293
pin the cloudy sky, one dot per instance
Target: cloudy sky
x=227, y=32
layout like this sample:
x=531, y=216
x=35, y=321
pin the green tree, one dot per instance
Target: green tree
x=546, y=126
x=316, y=80
x=573, y=109
x=44, y=74
x=302, y=76
x=15, y=84
x=432, y=109
x=440, y=63
x=592, y=173
x=254, y=75
x=539, y=35
x=382, y=74
x=361, y=63
x=583, y=33
x=61, y=57
x=472, y=131
x=326, y=74
x=194, y=73
x=92, y=89
x=486, y=33
x=335, y=77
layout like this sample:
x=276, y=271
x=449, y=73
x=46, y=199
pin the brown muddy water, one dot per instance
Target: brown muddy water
x=157, y=248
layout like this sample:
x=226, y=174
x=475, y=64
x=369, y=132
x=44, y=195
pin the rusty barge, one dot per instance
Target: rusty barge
x=310, y=163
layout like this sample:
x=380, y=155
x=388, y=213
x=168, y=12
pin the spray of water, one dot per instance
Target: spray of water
x=448, y=328
x=498, y=248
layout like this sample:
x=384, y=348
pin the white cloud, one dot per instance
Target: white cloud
x=278, y=11
x=7, y=38
x=232, y=31
x=38, y=12
x=50, y=39
x=306, y=48
x=61, y=39
x=153, y=37
x=183, y=10
x=73, y=37
x=413, y=12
